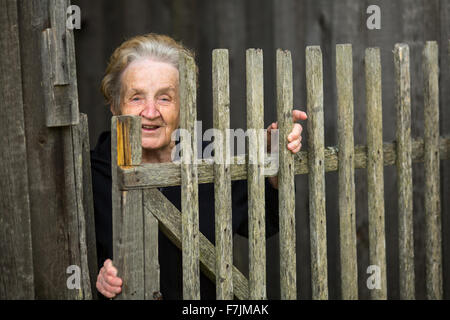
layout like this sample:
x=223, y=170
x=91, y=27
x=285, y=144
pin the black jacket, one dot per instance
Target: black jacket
x=169, y=254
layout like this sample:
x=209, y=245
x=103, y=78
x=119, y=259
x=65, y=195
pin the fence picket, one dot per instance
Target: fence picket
x=189, y=179
x=255, y=175
x=404, y=172
x=316, y=163
x=286, y=175
x=432, y=177
x=347, y=219
x=377, y=242
x=222, y=176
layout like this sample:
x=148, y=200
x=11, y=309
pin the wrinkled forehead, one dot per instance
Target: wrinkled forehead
x=150, y=75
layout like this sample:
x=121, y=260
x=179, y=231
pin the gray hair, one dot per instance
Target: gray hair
x=162, y=48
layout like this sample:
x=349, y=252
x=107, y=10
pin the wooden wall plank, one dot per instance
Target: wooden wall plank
x=83, y=222
x=88, y=202
x=16, y=261
x=51, y=175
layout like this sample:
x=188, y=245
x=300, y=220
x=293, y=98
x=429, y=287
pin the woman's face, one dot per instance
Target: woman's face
x=150, y=90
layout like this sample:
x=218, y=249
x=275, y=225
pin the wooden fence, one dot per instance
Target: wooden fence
x=139, y=208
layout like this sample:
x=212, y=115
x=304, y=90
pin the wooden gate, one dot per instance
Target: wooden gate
x=139, y=208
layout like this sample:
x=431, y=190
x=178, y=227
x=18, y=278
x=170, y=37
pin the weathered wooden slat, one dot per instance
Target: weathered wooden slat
x=377, y=240
x=288, y=273
x=57, y=10
x=88, y=202
x=151, y=254
x=73, y=204
x=129, y=150
x=128, y=222
x=149, y=175
x=48, y=174
x=222, y=175
x=347, y=211
x=78, y=213
x=71, y=93
x=16, y=260
x=189, y=179
x=255, y=175
x=433, y=228
x=316, y=178
x=404, y=172
x=58, y=69
x=170, y=223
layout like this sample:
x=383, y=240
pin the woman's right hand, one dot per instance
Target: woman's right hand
x=108, y=283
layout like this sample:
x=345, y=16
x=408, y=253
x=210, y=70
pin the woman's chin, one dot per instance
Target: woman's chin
x=152, y=145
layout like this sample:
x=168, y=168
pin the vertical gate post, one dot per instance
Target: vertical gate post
x=128, y=219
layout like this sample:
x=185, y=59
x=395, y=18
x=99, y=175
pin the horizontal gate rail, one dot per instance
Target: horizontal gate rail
x=146, y=176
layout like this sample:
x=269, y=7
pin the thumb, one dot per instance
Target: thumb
x=108, y=263
x=110, y=268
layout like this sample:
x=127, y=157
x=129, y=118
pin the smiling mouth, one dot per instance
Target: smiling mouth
x=146, y=128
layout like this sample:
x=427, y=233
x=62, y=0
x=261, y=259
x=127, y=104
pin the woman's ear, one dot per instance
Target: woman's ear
x=112, y=110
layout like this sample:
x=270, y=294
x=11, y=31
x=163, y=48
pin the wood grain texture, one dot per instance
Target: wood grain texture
x=316, y=177
x=127, y=215
x=189, y=179
x=222, y=175
x=51, y=169
x=286, y=182
x=255, y=174
x=83, y=216
x=375, y=180
x=88, y=203
x=59, y=69
x=151, y=254
x=170, y=223
x=16, y=261
x=238, y=25
x=148, y=176
x=404, y=171
x=346, y=155
x=433, y=228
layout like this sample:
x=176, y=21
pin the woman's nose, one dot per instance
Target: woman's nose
x=150, y=110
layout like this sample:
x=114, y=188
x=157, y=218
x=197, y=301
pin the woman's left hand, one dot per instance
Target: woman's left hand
x=294, y=143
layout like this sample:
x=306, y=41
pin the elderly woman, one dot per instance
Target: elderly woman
x=142, y=80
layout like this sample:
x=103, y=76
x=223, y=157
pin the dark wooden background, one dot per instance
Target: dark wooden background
x=291, y=24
